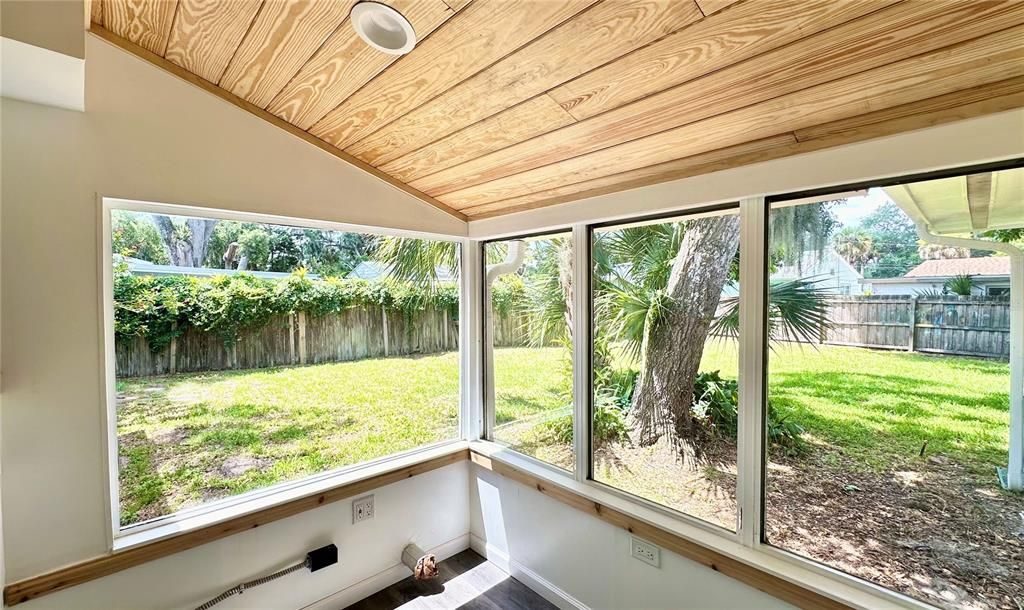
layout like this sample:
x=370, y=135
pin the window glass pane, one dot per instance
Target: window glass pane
x=888, y=383
x=529, y=325
x=249, y=354
x=665, y=362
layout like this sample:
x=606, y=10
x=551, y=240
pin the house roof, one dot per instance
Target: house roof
x=141, y=267
x=949, y=267
x=374, y=270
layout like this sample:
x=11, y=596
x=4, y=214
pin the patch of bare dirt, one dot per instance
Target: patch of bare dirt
x=704, y=488
x=169, y=436
x=927, y=528
x=237, y=465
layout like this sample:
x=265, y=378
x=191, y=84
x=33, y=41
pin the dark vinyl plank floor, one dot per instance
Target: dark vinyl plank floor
x=466, y=581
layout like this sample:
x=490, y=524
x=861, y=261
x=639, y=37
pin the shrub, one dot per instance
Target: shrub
x=784, y=432
x=961, y=285
x=715, y=405
x=620, y=386
x=609, y=425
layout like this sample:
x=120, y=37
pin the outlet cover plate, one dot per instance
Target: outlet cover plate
x=362, y=509
x=645, y=551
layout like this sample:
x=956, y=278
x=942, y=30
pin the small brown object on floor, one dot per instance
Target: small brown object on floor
x=466, y=581
x=423, y=565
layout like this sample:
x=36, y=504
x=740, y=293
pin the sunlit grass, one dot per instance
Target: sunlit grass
x=880, y=406
x=189, y=439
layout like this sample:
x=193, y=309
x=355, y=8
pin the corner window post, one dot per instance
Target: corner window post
x=581, y=320
x=470, y=341
x=752, y=394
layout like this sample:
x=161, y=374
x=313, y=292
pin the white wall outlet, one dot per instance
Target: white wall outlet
x=362, y=509
x=645, y=551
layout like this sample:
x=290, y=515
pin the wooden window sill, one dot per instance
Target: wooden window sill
x=765, y=568
x=135, y=549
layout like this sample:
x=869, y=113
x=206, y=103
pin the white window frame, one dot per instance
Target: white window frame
x=487, y=406
x=746, y=543
x=188, y=519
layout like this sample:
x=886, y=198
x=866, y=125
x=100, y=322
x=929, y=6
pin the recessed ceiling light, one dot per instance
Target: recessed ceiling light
x=383, y=28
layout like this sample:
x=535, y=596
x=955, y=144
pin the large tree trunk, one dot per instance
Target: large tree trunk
x=673, y=346
x=189, y=252
x=565, y=281
x=200, y=231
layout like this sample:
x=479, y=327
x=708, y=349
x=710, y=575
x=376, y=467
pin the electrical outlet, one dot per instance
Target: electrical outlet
x=645, y=551
x=362, y=509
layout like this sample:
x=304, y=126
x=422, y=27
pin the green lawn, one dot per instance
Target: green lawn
x=188, y=439
x=879, y=407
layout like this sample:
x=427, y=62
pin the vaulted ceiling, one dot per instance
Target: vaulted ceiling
x=507, y=105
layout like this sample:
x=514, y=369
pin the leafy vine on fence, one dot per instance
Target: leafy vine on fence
x=161, y=308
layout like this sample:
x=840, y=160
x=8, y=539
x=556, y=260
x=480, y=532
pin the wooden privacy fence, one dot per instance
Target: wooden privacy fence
x=301, y=338
x=964, y=326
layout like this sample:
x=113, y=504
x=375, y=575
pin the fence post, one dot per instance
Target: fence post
x=444, y=348
x=911, y=342
x=302, y=337
x=384, y=317
x=173, y=364
x=291, y=338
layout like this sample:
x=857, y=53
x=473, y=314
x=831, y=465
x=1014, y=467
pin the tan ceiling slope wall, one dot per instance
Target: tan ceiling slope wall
x=57, y=25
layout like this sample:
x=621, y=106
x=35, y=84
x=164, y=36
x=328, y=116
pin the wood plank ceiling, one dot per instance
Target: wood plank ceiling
x=507, y=105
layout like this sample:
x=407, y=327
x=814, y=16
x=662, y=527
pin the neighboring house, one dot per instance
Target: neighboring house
x=830, y=270
x=141, y=267
x=990, y=275
x=375, y=271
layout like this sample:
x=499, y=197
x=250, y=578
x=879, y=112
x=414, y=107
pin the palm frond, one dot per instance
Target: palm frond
x=960, y=284
x=798, y=310
x=548, y=289
x=641, y=254
x=417, y=260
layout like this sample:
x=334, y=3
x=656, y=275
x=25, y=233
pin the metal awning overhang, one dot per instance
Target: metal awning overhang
x=964, y=204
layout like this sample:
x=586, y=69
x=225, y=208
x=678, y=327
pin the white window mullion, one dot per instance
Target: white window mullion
x=581, y=349
x=471, y=341
x=753, y=218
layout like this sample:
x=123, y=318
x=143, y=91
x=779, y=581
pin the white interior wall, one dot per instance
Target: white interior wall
x=586, y=559
x=145, y=135
x=431, y=509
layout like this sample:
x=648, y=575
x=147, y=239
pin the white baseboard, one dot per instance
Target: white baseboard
x=525, y=575
x=384, y=579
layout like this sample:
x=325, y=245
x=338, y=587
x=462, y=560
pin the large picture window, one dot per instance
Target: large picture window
x=894, y=388
x=665, y=361
x=251, y=354
x=857, y=403
x=528, y=360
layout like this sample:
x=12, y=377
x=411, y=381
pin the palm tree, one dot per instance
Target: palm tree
x=856, y=246
x=961, y=285
x=658, y=290
x=659, y=293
